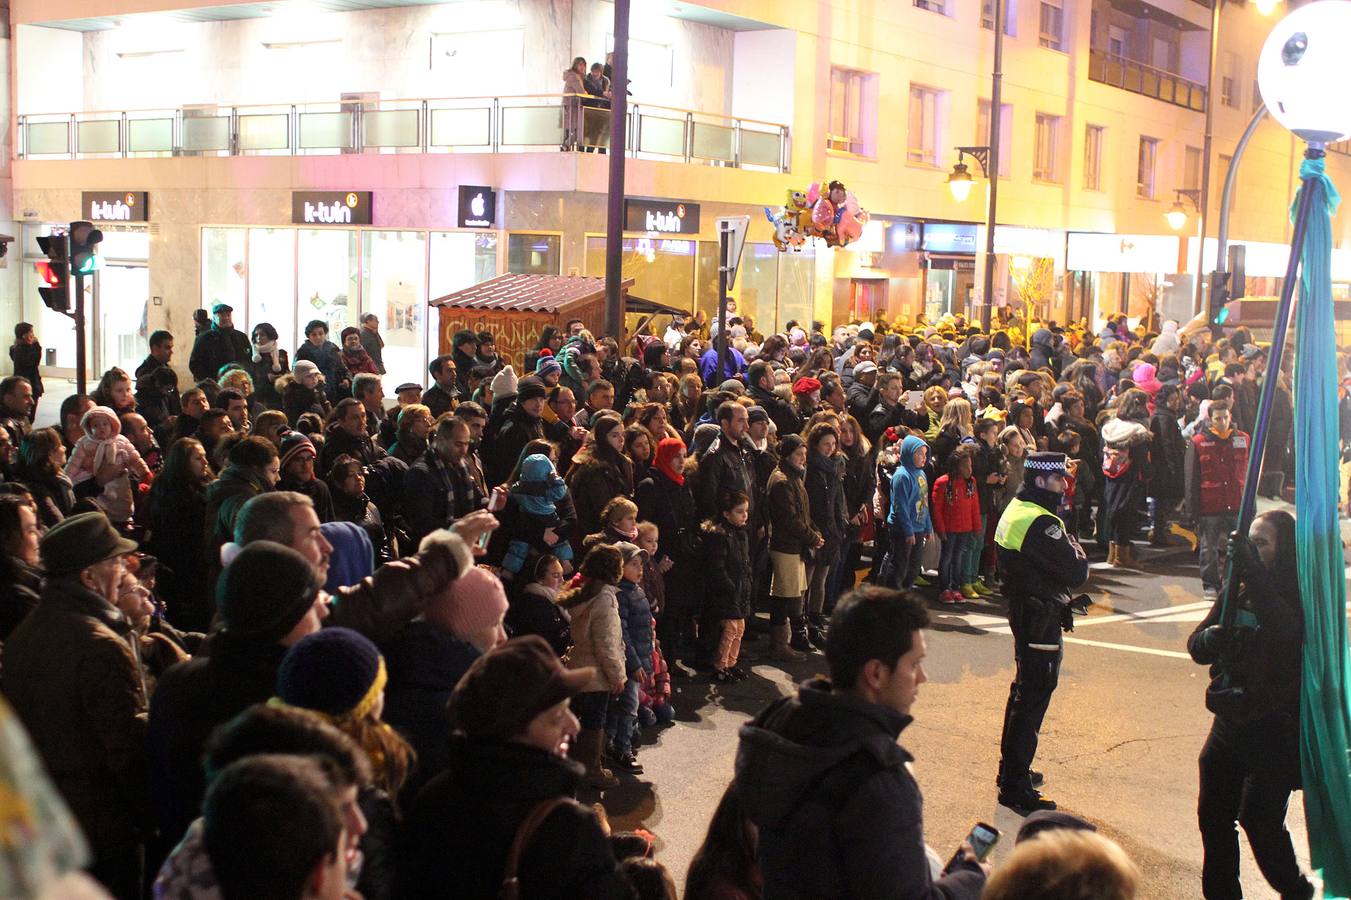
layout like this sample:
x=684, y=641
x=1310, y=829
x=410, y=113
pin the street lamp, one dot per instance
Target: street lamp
x=1266, y=7
x=1177, y=216
x=960, y=181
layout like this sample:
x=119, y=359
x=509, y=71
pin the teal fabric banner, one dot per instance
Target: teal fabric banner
x=1325, y=707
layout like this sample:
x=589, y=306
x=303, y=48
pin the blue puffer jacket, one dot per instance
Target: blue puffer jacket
x=910, y=491
x=635, y=618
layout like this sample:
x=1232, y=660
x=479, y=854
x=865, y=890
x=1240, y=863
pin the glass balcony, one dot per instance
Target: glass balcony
x=1138, y=78
x=547, y=122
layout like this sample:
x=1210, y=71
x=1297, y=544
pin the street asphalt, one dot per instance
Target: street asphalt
x=1119, y=745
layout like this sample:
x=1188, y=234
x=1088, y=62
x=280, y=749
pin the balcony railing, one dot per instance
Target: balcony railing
x=531, y=123
x=1139, y=78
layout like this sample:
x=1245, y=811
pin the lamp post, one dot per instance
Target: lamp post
x=1177, y=216
x=959, y=181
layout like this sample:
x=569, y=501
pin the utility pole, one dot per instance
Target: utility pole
x=614, y=220
x=1206, y=150
x=987, y=299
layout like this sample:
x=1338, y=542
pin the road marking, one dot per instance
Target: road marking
x=1171, y=654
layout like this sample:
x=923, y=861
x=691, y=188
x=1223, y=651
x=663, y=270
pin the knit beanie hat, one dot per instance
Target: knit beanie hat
x=335, y=671
x=805, y=385
x=349, y=330
x=264, y=592
x=504, y=383
x=530, y=389
x=546, y=365
x=293, y=446
x=628, y=551
x=304, y=367
x=471, y=603
x=100, y=413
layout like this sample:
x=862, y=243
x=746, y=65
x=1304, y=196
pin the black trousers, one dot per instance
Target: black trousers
x=1247, y=774
x=1037, y=653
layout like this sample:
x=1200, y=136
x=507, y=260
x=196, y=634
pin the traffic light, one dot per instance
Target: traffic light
x=55, y=272
x=1226, y=288
x=84, y=241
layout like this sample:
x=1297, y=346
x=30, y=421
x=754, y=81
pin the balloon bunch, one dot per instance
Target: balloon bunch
x=832, y=215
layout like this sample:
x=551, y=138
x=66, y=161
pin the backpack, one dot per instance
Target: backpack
x=1116, y=461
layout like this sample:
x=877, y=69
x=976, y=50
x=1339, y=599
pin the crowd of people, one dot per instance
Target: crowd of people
x=407, y=635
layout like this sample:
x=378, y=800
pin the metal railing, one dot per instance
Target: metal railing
x=528, y=123
x=1139, y=78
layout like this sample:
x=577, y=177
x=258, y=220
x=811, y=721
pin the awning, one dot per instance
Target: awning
x=529, y=293
x=635, y=304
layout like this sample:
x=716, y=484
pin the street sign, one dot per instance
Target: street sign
x=735, y=227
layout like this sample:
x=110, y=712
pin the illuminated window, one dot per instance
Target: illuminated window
x=853, y=111
x=1052, y=24
x=1146, y=169
x=926, y=109
x=1046, y=155
x=1093, y=135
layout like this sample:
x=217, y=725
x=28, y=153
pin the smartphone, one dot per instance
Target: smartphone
x=982, y=839
x=497, y=501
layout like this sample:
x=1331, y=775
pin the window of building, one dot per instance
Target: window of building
x=853, y=112
x=1146, y=168
x=1093, y=135
x=1052, y=24
x=1046, y=162
x=1191, y=168
x=926, y=109
x=1005, y=133
x=650, y=63
x=1229, y=87
x=394, y=287
x=938, y=6
x=1010, y=16
x=1118, y=40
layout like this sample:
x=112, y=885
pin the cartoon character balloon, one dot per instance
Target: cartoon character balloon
x=830, y=212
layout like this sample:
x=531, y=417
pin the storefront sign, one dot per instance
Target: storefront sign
x=478, y=206
x=943, y=238
x=664, y=216
x=331, y=207
x=114, y=206
x=1149, y=254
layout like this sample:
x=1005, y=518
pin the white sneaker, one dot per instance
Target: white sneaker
x=1211, y=594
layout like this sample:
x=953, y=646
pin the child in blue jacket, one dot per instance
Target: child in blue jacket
x=908, y=521
x=635, y=619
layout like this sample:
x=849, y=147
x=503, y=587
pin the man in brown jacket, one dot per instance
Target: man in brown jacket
x=74, y=677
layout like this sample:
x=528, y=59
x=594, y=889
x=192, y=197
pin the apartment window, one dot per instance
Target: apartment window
x=1045, y=162
x=1093, y=135
x=1229, y=89
x=1191, y=169
x=853, y=111
x=926, y=107
x=1146, y=168
x=987, y=15
x=1005, y=133
x=938, y=6
x=1052, y=24
x=1117, y=40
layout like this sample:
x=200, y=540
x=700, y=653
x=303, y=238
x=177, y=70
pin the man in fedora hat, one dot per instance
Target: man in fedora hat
x=73, y=674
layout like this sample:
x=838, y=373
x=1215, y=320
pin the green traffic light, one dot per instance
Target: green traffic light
x=89, y=265
x=1222, y=317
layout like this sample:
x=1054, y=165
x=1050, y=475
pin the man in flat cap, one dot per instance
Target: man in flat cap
x=219, y=345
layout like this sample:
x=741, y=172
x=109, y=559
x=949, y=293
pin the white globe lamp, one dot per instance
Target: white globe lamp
x=1302, y=71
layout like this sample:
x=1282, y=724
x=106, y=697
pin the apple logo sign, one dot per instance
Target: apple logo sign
x=476, y=206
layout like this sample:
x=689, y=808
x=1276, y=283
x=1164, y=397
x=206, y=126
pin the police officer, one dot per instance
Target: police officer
x=1042, y=563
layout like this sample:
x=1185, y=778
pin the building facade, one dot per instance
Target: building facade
x=306, y=159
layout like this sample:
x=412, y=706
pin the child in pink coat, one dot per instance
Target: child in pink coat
x=101, y=445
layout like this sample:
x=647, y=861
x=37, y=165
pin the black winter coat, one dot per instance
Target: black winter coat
x=1168, y=454
x=594, y=483
x=536, y=613
x=823, y=777
x=327, y=356
x=296, y=400
x=216, y=348
x=265, y=380
x=192, y=698
x=20, y=587
x=424, y=663
x=318, y=492
x=727, y=571
x=177, y=522
x=465, y=820
x=825, y=496
x=27, y=358
x=781, y=412
x=503, y=450
x=725, y=468
x=156, y=391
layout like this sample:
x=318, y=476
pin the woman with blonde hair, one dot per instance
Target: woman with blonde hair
x=1065, y=864
x=935, y=401
x=954, y=427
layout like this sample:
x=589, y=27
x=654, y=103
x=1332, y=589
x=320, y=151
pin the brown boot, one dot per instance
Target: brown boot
x=590, y=741
x=1113, y=557
x=1125, y=556
x=778, y=643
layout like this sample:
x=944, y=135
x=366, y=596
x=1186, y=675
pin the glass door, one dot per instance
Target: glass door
x=123, y=300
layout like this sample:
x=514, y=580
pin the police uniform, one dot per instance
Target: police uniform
x=1041, y=563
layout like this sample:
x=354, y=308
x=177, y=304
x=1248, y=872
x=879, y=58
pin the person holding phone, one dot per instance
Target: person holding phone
x=825, y=781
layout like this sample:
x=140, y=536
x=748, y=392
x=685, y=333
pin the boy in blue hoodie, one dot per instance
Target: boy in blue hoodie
x=908, y=520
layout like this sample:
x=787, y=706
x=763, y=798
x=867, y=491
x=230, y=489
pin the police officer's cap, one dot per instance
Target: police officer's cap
x=1045, y=463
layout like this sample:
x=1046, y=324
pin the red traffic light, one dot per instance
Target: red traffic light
x=48, y=274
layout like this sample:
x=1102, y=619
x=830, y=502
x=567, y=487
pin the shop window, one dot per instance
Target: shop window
x=326, y=280
x=460, y=259
x=224, y=270
x=1005, y=133
x=1093, y=135
x=771, y=287
x=394, y=288
x=271, y=272
x=534, y=254
x=662, y=268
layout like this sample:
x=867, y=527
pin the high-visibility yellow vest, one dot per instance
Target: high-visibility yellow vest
x=1016, y=520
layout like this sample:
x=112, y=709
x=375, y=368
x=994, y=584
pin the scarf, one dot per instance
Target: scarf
x=269, y=348
x=667, y=448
